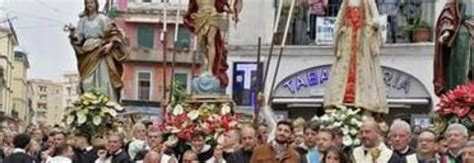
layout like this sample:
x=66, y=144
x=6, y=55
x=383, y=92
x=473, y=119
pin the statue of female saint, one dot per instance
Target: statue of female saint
x=100, y=50
x=356, y=75
x=203, y=19
x=454, y=53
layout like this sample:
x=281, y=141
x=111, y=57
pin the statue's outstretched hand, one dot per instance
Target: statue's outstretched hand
x=443, y=37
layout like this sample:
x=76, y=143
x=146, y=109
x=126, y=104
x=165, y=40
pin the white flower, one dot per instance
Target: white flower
x=172, y=139
x=118, y=107
x=225, y=110
x=97, y=120
x=69, y=119
x=353, y=131
x=81, y=117
x=315, y=118
x=325, y=118
x=345, y=130
x=347, y=140
x=112, y=112
x=192, y=115
x=89, y=95
x=178, y=110
x=338, y=124
x=356, y=142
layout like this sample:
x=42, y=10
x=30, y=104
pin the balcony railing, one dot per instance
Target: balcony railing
x=153, y=7
x=150, y=55
x=401, y=22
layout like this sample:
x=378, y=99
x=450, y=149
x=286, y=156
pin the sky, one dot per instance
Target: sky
x=39, y=25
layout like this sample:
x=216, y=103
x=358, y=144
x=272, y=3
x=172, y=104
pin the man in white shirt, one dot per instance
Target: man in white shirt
x=372, y=148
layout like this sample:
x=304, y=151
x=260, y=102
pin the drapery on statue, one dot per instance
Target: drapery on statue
x=100, y=50
x=356, y=75
x=202, y=19
x=454, y=59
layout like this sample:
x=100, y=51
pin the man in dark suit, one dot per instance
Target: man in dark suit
x=21, y=143
x=309, y=152
x=115, y=151
x=248, y=138
x=83, y=151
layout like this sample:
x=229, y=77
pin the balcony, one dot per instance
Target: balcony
x=401, y=22
x=151, y=56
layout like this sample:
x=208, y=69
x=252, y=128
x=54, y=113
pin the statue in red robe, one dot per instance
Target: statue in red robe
x=454, y=53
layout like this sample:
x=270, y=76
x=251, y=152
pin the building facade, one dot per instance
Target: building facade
x=8, y=41
x=304, y=70
x=20, y=87
x=145, y=73
x=46, y=100
x=70, y=91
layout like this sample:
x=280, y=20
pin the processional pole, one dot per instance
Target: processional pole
x=164, y=43
x=176, y=29
x=272, y=40
x=282, y=47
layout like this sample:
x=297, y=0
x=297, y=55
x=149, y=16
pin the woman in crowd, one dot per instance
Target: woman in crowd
x=334, y=155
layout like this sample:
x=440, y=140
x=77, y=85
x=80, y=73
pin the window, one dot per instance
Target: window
x=41, y=106
x=145, y=36
x=144, y=85
x=181, y=79
x=42, y=97
x=42, y=88
x=184, y=39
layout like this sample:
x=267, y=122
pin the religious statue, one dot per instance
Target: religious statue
x=356, y=75
x=454, y=59
x=203, y=19
x=100, y=50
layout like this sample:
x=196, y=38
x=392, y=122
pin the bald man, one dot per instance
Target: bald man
x=372, y=148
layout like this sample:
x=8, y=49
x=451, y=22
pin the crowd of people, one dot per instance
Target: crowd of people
x=283, y=143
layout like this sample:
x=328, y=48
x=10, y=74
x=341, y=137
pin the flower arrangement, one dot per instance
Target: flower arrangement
x=94, y=113
x=457, y=105
x=183, y=120
x=348, y=120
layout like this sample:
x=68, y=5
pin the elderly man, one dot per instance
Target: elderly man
x=456, y=135
x=308, y=151
x=427, y=149
x=373, y=149
x=277, y=150
x=230, y=145
x=114, y=152
x=468, y=152
x=400, y=135
x=249, y=141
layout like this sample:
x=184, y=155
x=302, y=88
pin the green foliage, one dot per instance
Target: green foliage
x=417, y=24
x=179, y=93
x=113, y=13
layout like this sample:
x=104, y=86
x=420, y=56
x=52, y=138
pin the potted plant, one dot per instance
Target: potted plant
x=420, y=31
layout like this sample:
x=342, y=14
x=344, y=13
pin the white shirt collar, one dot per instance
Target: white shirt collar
x=19, y=150
x=89, y=148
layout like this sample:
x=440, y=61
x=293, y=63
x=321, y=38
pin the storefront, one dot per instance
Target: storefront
x=304, y=72
x=301, y=94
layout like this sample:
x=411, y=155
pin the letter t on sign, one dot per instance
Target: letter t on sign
x=247, y=69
